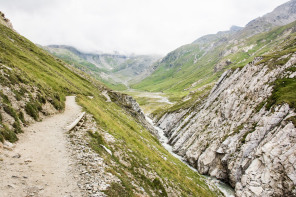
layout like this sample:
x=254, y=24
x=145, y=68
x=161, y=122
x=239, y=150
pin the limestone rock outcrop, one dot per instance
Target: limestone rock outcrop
x=233, y=136
x=132, y=107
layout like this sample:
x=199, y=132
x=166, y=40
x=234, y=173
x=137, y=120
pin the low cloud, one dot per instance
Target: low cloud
x=130, y=26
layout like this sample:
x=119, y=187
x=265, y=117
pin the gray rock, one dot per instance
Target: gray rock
x=225, y=133
x=8, y=146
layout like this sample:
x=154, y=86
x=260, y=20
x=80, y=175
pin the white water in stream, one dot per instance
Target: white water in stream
x=224, y=188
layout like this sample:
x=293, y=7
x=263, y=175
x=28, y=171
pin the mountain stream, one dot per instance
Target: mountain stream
x=223, y=187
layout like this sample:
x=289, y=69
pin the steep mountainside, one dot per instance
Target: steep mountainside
x=200, y=63
x=244, y=131
x=282, y=15
x=34, y=84
x=116, y=71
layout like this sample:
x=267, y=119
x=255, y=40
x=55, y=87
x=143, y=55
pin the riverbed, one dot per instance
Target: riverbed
x=224, y=188
x=150, y=101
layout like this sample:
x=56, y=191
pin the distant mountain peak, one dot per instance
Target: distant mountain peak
x=281, y=15
x=234, y=28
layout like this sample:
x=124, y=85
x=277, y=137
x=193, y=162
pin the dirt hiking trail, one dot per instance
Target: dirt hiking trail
x=40, y=163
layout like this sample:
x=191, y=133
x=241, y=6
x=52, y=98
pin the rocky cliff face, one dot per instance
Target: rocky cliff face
x=282, y=15
x=236, y=136
x=132, y=107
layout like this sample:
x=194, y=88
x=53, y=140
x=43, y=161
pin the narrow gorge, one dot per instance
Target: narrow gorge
x=238, y=134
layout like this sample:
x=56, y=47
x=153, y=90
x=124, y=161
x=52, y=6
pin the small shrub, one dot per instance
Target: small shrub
x=235, y=131
x=58, y=105
x=4, y=97
x=117, y=189
x=96, y=141
x=293, y=120
x=22, y=79
x=99, y=139
x=41, y=98
x=38, y=106
x=159, y=187
x=12, y=78
x=283, y=92
x=21, y=116
x=32, y=110
x=238, y=128
x=7, y=134
x=56, y=96
x=8, y=109
x=22, y=91
x=259, y=106
x=243, y=139
x=17, y=95
x=1, y=138
x=17, y=127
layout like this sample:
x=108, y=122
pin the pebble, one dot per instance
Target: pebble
x=16, y=156
x=8, y=146
x=28, y=160
x=11, y=186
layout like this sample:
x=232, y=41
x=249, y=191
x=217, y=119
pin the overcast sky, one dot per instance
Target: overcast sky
x=129, y=26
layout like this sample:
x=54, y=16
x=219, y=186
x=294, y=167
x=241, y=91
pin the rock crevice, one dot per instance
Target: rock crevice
x=233, y=137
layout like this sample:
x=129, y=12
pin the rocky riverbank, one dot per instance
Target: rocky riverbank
x=233, y=136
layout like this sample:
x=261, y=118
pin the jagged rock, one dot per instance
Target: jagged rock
x=226, y=137
x=132, y=107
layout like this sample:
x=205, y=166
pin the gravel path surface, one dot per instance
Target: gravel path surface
x=40, y=164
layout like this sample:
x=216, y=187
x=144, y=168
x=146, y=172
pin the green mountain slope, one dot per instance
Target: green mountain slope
x=248, y=108
x=33, y=81
x=200, y=63
x=271, y=47
x=114, y=70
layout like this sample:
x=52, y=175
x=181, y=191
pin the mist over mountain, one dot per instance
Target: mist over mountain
x=115, y=70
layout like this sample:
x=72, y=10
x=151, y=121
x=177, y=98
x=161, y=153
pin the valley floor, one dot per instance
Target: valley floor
x=149, y=101
x=40, y=164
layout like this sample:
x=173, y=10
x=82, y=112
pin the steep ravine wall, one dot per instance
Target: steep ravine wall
x=132, y=107
x=233, y=137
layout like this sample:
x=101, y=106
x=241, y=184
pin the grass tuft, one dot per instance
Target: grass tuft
x=32, y=110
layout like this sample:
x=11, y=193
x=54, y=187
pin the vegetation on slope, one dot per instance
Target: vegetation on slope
x=275, y=48
x=142, y=154
x=284, y=87
x=202, y=62
x=31, y=77
x=78, y=62
x=115, y=71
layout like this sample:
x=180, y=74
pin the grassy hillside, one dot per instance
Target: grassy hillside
x=114, y=70
x=192, y=66
x=275, y=48
x=31, y=79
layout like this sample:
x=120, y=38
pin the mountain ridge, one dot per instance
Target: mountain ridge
x=194, y=65
x=115, y=70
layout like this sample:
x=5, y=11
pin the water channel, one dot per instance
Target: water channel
x=224, y=188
